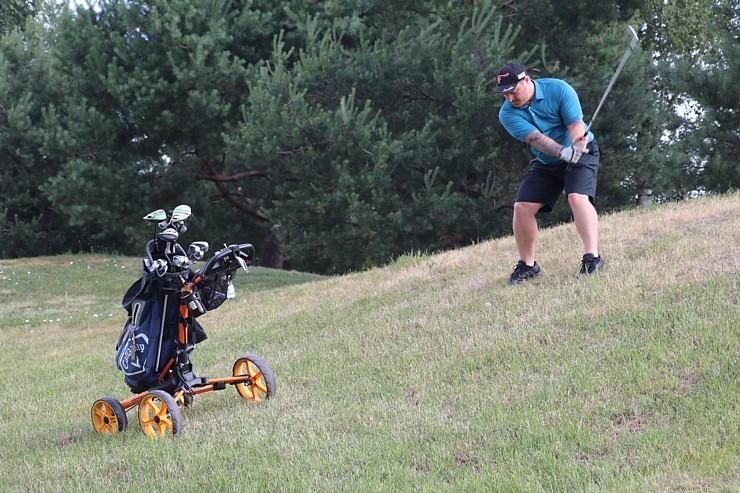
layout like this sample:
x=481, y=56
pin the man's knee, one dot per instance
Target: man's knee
x=576, y=200
x=522, y=209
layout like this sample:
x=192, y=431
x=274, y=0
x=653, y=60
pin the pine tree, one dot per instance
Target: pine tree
x=15, y=13
x=704, y=134
x=30, y=89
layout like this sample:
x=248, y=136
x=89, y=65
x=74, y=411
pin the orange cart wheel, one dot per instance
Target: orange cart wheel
x=159, y=414
x=108, y=416
x=261, y=384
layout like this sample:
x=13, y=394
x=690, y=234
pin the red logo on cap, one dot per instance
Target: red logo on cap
x=498, y=78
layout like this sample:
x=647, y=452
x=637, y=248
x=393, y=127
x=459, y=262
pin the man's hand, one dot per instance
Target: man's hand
x=546, y=145
x=572, y=154
x=581, y=142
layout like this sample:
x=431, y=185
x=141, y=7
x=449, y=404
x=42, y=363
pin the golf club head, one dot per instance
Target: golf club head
x=181, y=261
x=156, y=216
x=169, y=234
x=180, y=214
x=197, y=249
x=158, y=266
x=633, y=37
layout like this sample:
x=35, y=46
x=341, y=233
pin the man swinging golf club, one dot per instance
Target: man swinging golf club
x=546, y=114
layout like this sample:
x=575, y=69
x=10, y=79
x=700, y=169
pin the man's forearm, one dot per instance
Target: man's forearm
x=543, y=143
x=578, y=134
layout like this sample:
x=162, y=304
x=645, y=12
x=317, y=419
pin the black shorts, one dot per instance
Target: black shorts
x=543, y=184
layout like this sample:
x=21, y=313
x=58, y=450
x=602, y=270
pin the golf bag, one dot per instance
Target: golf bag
x=149, y=338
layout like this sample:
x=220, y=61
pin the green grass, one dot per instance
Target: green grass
x=427, y=375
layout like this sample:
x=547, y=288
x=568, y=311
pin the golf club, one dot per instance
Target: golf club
x=181, y=213
x=633, y=43
x=156, y=216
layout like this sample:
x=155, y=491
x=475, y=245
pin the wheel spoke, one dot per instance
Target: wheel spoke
x=99, y=414
x=148, y=414
x=253, y=370
x=150, y=408
x=162, y=412
x=164, y=425
x=260, y=385
x=111, y=426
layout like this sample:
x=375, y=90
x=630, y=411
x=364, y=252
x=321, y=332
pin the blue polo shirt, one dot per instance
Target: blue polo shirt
x=555, y=106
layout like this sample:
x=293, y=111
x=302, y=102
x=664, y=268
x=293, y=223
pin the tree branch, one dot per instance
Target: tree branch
x=232, y=178
x=243, y=205
x=306, y=147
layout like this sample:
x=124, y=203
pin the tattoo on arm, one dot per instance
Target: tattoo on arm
x=543, y=143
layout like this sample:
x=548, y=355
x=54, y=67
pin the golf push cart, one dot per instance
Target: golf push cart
x=162, y=329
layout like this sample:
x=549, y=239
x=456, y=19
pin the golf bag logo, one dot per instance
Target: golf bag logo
x=134, y=345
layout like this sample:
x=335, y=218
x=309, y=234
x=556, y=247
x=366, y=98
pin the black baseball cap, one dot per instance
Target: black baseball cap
x=509, y=76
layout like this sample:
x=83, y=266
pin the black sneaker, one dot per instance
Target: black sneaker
x=591, y=264
x=523, y=272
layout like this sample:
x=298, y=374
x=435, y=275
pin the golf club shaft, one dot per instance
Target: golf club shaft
x=633, y=43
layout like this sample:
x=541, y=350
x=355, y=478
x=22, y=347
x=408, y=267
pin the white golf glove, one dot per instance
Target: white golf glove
x=572, y=154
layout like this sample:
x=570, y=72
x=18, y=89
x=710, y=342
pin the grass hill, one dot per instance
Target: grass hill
x=430, y=374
